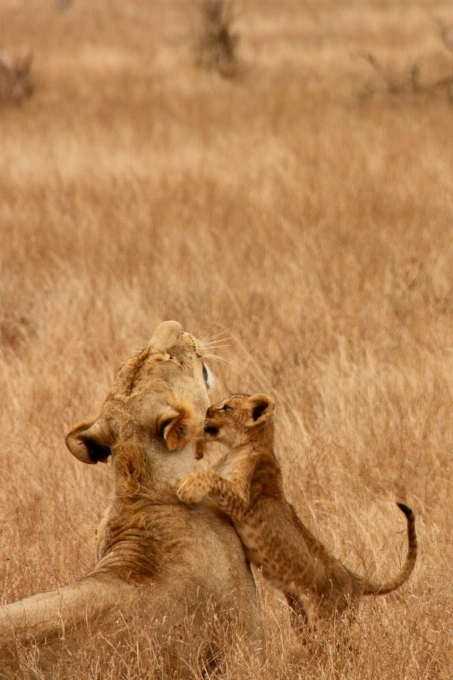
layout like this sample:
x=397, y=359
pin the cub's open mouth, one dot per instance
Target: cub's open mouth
x=209, y=429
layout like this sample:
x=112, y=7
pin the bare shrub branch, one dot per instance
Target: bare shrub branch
x=217, y=45
x=407, y=81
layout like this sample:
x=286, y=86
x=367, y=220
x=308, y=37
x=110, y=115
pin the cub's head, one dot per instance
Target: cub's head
x=238, y=419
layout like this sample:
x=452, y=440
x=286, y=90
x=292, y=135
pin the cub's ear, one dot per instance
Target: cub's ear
x=178, y=426
x=261, y=408
x=87, y=442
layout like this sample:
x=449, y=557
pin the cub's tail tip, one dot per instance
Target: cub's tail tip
x=406, y=509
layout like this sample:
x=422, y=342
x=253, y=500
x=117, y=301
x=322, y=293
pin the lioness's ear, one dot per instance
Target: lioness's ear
x=178, y=427
x=87, y=442
x=261, y=408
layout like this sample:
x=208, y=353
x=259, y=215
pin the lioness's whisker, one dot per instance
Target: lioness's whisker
x=215, y=357
x=210, y=336
x=219, y=338
x=98, y=384
x=214, y=347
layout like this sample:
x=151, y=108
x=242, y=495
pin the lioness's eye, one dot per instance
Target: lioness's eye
x=205, y=374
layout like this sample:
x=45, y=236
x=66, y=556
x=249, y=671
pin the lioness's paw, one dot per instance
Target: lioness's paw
x=191, y=489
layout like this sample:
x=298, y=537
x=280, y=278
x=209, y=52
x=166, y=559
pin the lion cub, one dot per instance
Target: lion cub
x=247, y=485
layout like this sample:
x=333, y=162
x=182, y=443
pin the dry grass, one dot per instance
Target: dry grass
x=312, y=227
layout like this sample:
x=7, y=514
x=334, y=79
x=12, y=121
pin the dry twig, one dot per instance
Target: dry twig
x=408, y=81
x=217, y=45
x=446, y=33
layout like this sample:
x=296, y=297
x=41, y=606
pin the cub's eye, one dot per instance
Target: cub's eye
x=225, y=407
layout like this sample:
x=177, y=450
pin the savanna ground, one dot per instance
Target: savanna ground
x=301, y=210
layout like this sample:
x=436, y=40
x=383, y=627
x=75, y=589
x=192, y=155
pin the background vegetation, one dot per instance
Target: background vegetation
x=299, y=207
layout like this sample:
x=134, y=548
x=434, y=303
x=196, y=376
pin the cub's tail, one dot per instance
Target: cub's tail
x=373, y=588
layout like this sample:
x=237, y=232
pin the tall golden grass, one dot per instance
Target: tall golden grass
x=308, y=224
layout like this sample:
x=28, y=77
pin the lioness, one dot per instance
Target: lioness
x=159, y=561
x=247, y=485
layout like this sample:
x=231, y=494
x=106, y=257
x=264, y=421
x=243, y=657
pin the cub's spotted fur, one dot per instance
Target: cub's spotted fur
x=247, y=485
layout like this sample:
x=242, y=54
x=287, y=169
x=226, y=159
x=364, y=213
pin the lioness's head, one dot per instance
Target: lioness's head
x=158, y=398
x=235, y=420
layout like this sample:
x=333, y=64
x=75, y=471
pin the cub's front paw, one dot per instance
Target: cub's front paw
x=195, y=486
x=191, y=489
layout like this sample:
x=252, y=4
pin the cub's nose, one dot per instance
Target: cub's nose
x=209, y=429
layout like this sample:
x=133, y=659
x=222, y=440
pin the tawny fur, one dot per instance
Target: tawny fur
x=150, y=564
x=247, y=485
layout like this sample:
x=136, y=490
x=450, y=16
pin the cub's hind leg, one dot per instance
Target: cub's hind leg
x=300, y=618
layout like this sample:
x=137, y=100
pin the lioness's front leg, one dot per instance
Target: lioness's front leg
x=197, y=485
